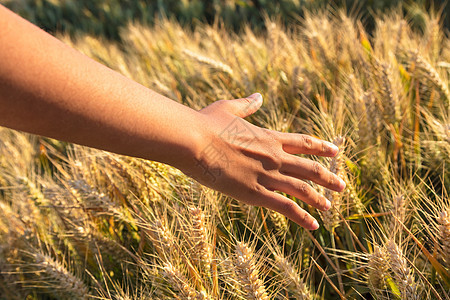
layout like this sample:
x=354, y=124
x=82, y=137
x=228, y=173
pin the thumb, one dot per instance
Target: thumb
x=245, y=107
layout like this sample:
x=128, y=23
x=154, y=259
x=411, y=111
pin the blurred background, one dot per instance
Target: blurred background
x=106, y=17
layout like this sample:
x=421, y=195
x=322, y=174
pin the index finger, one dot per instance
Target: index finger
x=296, y=143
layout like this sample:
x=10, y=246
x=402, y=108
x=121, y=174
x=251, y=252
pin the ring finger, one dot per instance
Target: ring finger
x=299, y=189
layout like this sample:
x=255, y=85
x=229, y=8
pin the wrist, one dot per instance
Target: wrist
x=187, y=151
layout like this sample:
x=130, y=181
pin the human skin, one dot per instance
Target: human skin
x=50, y=89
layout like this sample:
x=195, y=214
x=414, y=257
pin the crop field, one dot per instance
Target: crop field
x=80, y=223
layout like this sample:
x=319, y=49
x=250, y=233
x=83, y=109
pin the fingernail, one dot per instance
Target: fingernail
x=256, y=96
x=327, y=204
x=315, y=225
x=342, y=183
x=333, y=146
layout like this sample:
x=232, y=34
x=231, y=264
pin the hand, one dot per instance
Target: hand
x=250, y=163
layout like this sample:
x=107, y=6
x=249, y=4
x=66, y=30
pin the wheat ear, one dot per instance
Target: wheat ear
x=180, y=284
x=247, y=273
x=378, y=268
x=331, y=216
x=294, y=282
x=444, y=235
x=162, y=238
x=389, y=94
x=279, y=221
x=428, y=70
x=202, y=248
x=402, y=274
x=373, y=117
x=66, y=282
x=209, y=61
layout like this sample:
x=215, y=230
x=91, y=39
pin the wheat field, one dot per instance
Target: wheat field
x=80, y=223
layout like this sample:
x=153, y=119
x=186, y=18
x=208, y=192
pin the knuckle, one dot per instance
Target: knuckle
x=268, y=133
x=247, y=101
x=256, y=190
x=277, y=161
x=303, y=188
x=324, y=147
x=307, y=141
x=321, y=201
x=273, y=161
x=304, y=217
x=317, y=168
x=332, y=179
x=272, y=136
x=288, y=206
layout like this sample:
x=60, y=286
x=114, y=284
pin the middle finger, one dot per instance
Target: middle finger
x=303, y=168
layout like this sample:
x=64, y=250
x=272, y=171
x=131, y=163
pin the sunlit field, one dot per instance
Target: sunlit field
x=80, y=223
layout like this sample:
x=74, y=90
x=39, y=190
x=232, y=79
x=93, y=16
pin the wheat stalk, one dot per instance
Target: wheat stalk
x=228, y=273
x=247, y=273
x=433, y=33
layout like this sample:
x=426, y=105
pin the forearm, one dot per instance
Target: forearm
x=48, y=88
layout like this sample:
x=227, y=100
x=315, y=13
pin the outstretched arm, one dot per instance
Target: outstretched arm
x=50, y=89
